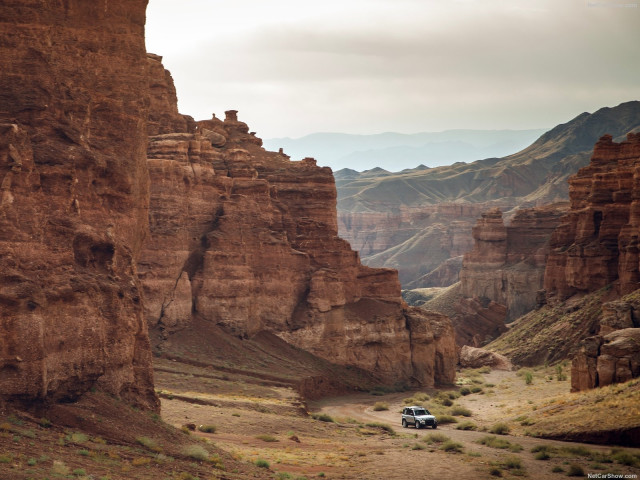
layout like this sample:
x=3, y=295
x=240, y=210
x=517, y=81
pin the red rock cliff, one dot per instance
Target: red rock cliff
x=597, y=243
x=74, y=196
x=248, y=239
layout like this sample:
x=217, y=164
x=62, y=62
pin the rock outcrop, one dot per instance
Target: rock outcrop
x=74, y=194
x=597, y=243
x=471, y=357
x=507, y=263
x=247, y=239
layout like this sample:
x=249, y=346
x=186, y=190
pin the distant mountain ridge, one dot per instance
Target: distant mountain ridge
x=398, y=151
x=417, y=219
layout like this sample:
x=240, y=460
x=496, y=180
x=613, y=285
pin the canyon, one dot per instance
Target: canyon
x=420, y=220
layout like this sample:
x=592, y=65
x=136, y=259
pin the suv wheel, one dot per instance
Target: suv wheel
x=404, y=423
x=417, y=424
x=435, y=425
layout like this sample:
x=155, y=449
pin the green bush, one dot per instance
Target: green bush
x=500, y=429
x=382, y=426
x=460, y=411
x=542, y=456
x=465, y=391
x=451, y=446
x=262, y=463
x=435, y=438
x=444, y=419
x=267, y=438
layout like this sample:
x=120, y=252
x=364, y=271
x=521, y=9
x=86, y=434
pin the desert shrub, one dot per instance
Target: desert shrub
x=149, y=443
x=59, y=468
x=138, y=462
x=262, y=463
x=575, y=471
x=77, y=438
x=382, y=426
x=453, y=395
x=542, y=456
x=460, y=411
x=512, y=463
x=528, y=378
x=323, y=417
x=499, y=429
x=208, y=428
x=444, y=419
x=451, y=446
x=267, y=438
x=418, y=446
x=577, y=450
x=557, y=469
x=560, y=375
x=83, y=452
x=197, y=452
x=495, y=472
x=476, y=390
x=45, y=423
x=435, y=438
x=468, y=425
x=6, y=458
x=548, y=449
x=625, y=458
x=32, y=461
x=79, y=472
x=465, y=391
x=495, y=442
x=380, y=406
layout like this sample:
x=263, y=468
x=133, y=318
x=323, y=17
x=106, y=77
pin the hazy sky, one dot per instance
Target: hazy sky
x=294, y=67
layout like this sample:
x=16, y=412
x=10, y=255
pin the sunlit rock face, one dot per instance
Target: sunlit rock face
x=247, y=239
x=73, y=200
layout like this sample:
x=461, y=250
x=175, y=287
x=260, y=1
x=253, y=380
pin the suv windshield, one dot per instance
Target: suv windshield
x=421, y=411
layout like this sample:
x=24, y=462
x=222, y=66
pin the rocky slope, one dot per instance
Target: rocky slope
x=405, y=206
x=74, y=194
x=247, y=239
x=592, y=263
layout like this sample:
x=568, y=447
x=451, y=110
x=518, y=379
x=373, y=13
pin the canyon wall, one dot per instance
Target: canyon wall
x=247, y=239
x=595, y=248
x=597, y=243
x=74, y=200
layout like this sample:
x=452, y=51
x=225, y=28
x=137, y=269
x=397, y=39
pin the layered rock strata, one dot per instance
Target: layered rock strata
x=247, y=239
x=507, y=263
x=597, y=243
x=74, y=197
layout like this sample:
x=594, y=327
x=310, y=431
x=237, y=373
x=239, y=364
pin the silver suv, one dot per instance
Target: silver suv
x=418, y=417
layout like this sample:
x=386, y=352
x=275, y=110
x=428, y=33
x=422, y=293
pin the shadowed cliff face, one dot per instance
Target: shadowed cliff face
x=73, y=200
x=247, y=239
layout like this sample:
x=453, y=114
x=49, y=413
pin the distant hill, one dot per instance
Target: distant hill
x=418, y=218
x=397, y=151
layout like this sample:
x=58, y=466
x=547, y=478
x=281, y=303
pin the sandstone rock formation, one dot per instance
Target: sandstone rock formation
x=471, y=357
x=597, y=243
x=74, y=197
x=247, y=239
x=507, y=263
x=603, y=360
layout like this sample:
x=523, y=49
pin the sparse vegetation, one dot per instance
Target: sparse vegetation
x=149, y=443
x=382, y=426
x=495, y=442
x=468, y=425
x=465, y=391
x=197, y=452
x=262, y=463
x=435, y=438
x=323, y=417
x=452, y=447
x=380, y=406
x=460, y=411
x=500, y=429
x=267, y=438
x=575, y=470
x=444, y=419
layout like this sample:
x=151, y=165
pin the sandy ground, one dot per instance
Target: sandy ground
x=268, y=423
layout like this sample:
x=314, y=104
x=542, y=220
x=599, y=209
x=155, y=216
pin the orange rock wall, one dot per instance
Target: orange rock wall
x=73, y=200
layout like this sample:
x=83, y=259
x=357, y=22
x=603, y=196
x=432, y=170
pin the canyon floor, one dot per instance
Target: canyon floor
x=233, y=426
